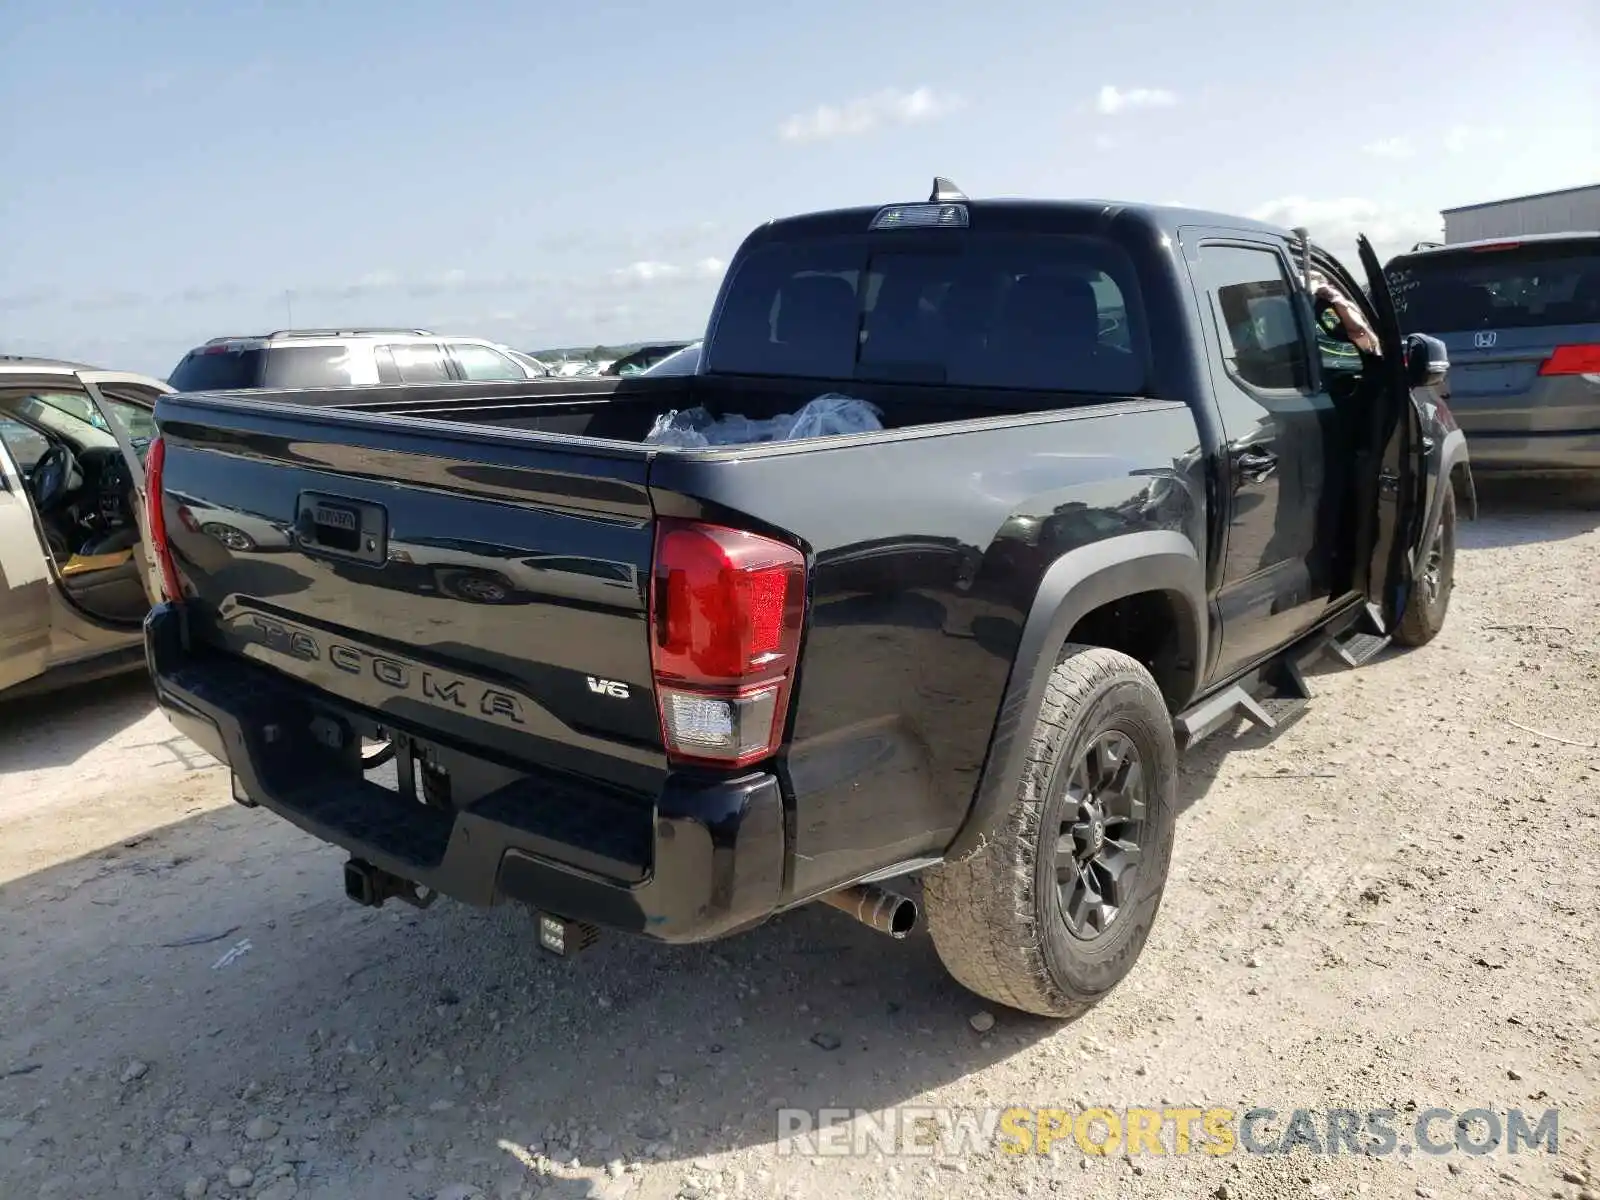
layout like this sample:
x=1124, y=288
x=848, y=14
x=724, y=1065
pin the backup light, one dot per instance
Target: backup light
x=725, y=608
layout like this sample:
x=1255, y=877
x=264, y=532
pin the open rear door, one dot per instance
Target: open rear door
x=127, y=403
x=1395, y=497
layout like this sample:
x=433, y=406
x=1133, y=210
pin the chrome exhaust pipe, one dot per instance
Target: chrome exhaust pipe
x=887, y=912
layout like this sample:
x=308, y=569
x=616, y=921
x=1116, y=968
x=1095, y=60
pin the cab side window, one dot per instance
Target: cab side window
x=1262, y=342
x=1341, y=362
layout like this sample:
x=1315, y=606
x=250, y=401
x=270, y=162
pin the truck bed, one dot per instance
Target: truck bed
x=624, y=410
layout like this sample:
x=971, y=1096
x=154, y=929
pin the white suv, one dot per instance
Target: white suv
x=296, y=358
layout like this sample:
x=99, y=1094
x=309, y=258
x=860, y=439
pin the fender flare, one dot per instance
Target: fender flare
x=1076, y=584
x=1452, y=453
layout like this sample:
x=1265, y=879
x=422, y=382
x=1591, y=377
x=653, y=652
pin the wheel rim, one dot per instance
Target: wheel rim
x=1433, y=567
x=233, y=539
x=1097, y=845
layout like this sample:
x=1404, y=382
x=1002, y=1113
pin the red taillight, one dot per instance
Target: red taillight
x=1572, y=360
x=1494, y=246
x=156, y=520
x=726, y=609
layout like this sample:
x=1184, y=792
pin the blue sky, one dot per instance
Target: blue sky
x=561, y=173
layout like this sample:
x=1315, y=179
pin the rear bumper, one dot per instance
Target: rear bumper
x=1510, y=453
x=704, y=860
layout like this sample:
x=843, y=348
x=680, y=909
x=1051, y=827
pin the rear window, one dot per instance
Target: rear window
x=1530, y=285
x=308, y=366
x=217, y=371
x=970, y=310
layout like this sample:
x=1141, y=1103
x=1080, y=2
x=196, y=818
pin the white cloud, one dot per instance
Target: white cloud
x=1113, y=100
x=1104, y=141
x=646, y=271
x=1458, y=139
x=1391, y=147
x=891, y=106
x=1334, y=224
x=710, y=268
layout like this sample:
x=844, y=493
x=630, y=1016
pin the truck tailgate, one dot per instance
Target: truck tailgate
x=484, y=587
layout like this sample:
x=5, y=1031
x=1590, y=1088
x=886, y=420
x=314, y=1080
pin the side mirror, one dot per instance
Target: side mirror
x=1427, y=360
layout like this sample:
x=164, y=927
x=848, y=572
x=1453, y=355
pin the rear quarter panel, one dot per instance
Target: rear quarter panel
x=927, y=550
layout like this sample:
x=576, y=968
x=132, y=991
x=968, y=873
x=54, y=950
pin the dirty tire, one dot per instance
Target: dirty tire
x=1425, y=609
x=995, y=917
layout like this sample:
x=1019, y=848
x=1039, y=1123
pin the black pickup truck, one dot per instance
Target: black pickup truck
x=1131, y=477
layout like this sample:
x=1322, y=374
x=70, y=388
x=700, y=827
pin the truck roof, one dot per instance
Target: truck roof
x=1023, y=216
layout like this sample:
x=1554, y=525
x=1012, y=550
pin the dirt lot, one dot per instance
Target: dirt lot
x=1391, y=905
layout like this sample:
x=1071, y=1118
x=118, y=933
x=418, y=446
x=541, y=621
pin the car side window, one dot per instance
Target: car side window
x=478, y=361
x=383, y=359
x=27, y=445
x=419, y=362
x=1258, y=317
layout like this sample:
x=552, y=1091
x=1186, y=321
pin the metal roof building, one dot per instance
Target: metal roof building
x=1547, y=212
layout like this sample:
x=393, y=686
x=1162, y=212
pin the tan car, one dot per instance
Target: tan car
x=75, y=578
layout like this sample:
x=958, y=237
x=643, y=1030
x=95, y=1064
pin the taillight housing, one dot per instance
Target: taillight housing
x=726, y=610
x=156, y=520
x=1572, y=360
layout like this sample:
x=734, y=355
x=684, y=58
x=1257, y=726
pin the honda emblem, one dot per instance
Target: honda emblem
x=1484, y=339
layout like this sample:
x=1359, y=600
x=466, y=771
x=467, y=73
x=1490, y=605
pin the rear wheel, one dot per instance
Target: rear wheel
x=1436, y=573
x=1054, y=910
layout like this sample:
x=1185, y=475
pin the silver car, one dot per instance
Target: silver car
x=1521, y=318
x=76, y=576
x=354, y=357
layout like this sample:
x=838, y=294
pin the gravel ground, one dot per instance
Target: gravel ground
x=1390, y=905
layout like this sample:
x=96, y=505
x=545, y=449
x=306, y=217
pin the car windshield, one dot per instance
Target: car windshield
x=967, y=309
x=68, y=416
x=1516, y=287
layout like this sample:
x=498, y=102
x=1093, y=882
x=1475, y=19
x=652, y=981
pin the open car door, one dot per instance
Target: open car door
x=24, y=582
x=1393, y=497
x=127, y=405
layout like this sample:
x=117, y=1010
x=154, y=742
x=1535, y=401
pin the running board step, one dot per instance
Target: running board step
x=1281, y=694
x=1270, y=713
x=1357, y=648
x=1281, y=710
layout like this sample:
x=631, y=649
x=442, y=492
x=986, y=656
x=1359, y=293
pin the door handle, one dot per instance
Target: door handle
x=1255, y=464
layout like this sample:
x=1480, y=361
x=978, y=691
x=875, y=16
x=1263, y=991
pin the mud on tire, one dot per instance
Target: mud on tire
x=1000, y=918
